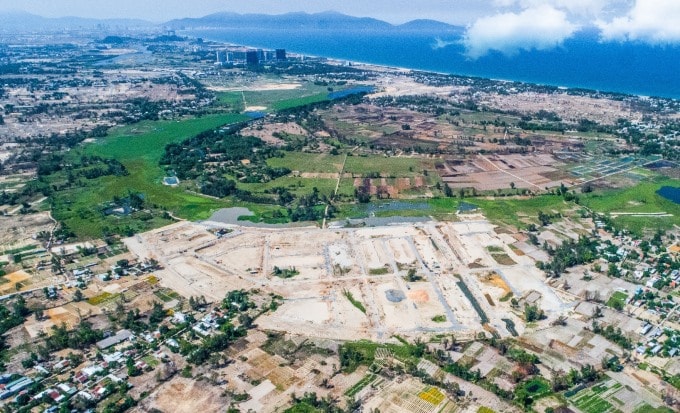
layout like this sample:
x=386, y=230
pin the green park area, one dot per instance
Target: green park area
x=139, y=148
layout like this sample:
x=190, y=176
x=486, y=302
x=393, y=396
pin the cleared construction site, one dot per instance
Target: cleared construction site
x=372, y=282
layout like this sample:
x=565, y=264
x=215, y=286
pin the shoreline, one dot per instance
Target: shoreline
x=388, y=67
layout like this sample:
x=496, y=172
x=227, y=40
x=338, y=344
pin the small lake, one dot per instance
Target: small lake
x=236, y=215
x=671, y=193
x=353, y=91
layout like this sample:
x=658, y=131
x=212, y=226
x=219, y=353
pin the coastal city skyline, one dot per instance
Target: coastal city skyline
x=507, y=26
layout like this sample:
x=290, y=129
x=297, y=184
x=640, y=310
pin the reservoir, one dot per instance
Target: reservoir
x=671, y=193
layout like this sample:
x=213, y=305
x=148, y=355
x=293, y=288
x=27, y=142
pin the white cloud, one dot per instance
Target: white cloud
x=576, y=7
x=440, y=43
x=651, y=21
x=540, y=28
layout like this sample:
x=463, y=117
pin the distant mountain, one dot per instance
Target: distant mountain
x=425, y=25
x=19, y=21
x=303, y=21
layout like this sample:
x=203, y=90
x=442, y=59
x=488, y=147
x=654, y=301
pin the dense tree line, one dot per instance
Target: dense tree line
x=569, y=254
x=217, y=187
x=613, y=334
x=227, y=148
x=80, y=338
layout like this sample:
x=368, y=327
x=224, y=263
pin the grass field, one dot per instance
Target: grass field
x=388, y=166
x=617, y=300
x=284, y=99
x=232, y=101
x=502, y=210
x=303, y=407
x=139, y=147
x=641, y=198
x=308, y=162
x=302, y=186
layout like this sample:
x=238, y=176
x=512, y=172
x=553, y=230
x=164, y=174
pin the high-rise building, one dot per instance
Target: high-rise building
x=280, y=54
x=252, y=58
x=221, y=57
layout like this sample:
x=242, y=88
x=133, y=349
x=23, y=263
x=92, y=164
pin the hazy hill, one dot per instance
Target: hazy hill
x=19, y=21
x=430, y=26
x=305, y=21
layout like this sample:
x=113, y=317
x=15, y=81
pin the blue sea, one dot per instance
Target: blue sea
x=581, y=62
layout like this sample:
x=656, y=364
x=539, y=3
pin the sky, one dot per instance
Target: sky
x=507, y=26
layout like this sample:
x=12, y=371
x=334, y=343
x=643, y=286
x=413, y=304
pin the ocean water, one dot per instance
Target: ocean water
x=581, y=62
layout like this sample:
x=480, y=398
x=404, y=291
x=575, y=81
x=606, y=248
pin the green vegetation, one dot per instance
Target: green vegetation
x=514, y=212
x=167, y=295
x=379, y=271
x=354, y=301
x=387, y=166
x=503, y=259
x=285, y=272
x=17, y=251
x=412, y=276
x=299, y=101
x=591, y=402
x=308, y=162
x=645, y=408
x=365, y=381
x=533, y=313
x=536, y=388
x=613, y=334
x=310, y=403
x=439, y=318
x=356, y=353
x=642, y=198
x=232, y=100
x=618, y=300
x=138, y=148
x=286, y=98
x=673, y=380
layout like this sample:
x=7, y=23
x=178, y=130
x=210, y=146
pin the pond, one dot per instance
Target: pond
x=255, y=114
x=353, y=91
x=467, y=207
x=671, y=193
